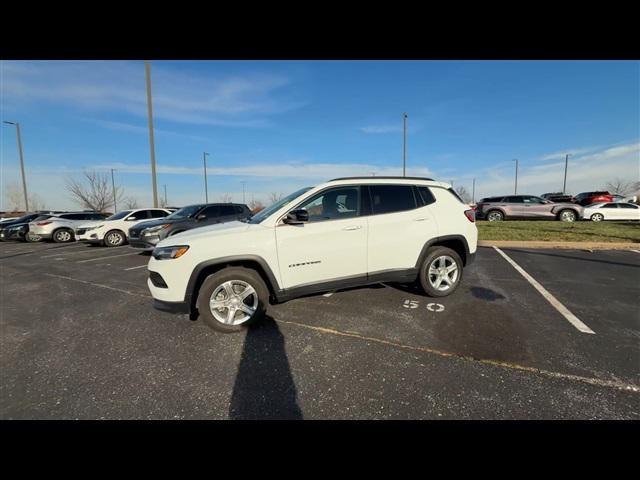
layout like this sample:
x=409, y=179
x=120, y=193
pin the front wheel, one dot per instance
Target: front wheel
x=32, y=237
x=232, y=299
x=597, y=217
x=440, y=272
x=114, y=238
x=567, y=216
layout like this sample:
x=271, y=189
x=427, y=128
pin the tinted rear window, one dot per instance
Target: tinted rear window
x=425, y=194
x=227, y=210
x=392, y=198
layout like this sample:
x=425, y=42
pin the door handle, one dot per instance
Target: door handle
x=420, y=219
x=353, y=227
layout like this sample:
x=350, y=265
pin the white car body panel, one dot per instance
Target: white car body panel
x=122, y=225
x=618, y=213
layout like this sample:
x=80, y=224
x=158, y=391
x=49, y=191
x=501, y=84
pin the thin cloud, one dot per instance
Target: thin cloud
x=381, y=129
x=221, y=100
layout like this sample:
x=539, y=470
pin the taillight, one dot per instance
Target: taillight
x=43, y=223
x=471, y=215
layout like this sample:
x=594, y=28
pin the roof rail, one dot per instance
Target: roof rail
x=383, y=177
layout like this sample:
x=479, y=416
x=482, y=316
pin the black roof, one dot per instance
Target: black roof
x=376, y=177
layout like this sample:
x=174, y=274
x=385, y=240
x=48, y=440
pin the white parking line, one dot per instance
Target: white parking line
x=575, y=321
x=637, y=251
x=104, y=258
x=133, y=268
x=87, y=250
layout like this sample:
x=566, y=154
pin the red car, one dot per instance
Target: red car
x=587, y=198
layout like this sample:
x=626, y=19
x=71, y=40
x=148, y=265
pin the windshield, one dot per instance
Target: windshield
x=262, y=214
x=119, y=215
x=185, y=212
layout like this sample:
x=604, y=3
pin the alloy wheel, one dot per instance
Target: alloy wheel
x=443, y=273
x=233, y=302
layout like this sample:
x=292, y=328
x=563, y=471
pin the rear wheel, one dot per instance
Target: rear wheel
x=114, y=238
x=567, y=216
x=597, y=217
x=232, y=299
x=495, y=216
x=440, y=272
x=63, y=235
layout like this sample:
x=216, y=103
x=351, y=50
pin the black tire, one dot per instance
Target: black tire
x=114, y=238
x=494, y=216
x=63, y=235
x=433, y=254
x=213, y=282
x=567, y=215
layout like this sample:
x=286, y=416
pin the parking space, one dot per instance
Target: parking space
x=81, y=340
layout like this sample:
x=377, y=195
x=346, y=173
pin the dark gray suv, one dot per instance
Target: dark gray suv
x=146, y=235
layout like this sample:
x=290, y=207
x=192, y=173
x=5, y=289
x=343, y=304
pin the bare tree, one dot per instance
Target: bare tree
x=255, y=205
x=94, y=191
x=130, y=202
x=36, y=203
x=618, y=186
x=226, y=198
x=275, y=197
x=14, y=196
x=463, y=193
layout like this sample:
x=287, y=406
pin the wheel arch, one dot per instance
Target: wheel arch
x=457, y=243
x=209, y=267
x=495, y=209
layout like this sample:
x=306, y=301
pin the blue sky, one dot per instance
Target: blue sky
x=279, y=126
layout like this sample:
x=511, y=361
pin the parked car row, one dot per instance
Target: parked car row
x=557, y=207
x=143, y=226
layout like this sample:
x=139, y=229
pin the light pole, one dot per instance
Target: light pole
x=113, y=185
x=243, y=184
x=165, y=195
x=473, y=192
x=566, y=165
x=147, y=66
x=404, y=144
x=24, y=181
x=206, y=191
x=515, y=192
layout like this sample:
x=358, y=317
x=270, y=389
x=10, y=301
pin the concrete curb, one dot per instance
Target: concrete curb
x=561, y=245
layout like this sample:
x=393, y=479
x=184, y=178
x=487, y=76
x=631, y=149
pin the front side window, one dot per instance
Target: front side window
x=158, y=213
x=532, y=200
x=514, y=200
x=119, y=215
x=627, y=205
x=333, y=204
x=391, y=198
x=267, y=212
x=185, y=212
x=610, y=205
x=226, y=210
x=211, y=212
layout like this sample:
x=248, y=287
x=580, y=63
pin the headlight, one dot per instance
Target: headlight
x=167, y=253
x=152, y=230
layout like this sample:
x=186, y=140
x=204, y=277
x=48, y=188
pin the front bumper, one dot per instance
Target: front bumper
x=144, y=242
x=88, y=237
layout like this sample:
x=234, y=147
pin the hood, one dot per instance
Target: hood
x=209, y=232
x=159, y=221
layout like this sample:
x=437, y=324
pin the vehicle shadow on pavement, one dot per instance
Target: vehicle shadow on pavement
x=264, y=387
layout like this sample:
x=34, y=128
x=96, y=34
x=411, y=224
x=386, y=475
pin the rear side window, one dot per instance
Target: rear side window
x=626, y=205
x=514, y=200
x=610, y=205
x=392, y=198
x=158, y=213
x=211, y=212
x=239, y=209
x=74, y=216
x=425, y=194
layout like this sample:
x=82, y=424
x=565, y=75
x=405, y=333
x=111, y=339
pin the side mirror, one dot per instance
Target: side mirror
x=296, y=217
x=202, y=216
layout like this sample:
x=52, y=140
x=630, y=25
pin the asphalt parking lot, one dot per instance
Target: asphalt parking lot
x=80, y=340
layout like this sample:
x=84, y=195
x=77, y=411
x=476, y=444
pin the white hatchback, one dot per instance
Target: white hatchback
x=114, y=230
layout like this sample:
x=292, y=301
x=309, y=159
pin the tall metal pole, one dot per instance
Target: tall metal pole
x=24, y=181
x=147, y=66
x=165, y=195
x=515, y=192
x=473, y=191
x=566, y=165
x=206, y=190
x=243, y=184
x=113, y=185
x=404, y=145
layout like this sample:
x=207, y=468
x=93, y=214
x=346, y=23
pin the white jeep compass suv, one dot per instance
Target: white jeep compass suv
x=344, y=233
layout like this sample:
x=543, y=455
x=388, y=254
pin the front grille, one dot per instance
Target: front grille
x=157, y=280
